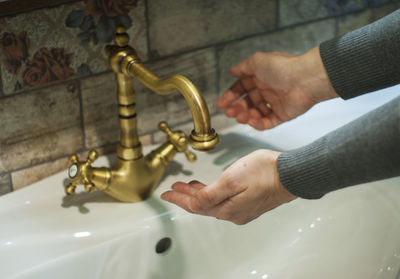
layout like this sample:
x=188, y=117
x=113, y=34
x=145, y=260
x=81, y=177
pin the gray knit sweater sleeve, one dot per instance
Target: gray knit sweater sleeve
x=367, y=149
x=366, y=59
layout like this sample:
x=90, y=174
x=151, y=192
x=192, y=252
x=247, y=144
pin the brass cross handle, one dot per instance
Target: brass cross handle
x=178, y=139
x=79, y=172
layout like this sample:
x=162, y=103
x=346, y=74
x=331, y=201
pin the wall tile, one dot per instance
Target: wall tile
x=297, y=11
x=294, y=40
x=5, y=184
x=39, y=126
x=1, y=86
x=48, y=45
x=180, y=25
x=100, y=110
x=33, y=174
x=354, y=21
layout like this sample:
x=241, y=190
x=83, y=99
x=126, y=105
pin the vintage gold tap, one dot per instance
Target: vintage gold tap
x=134, y=176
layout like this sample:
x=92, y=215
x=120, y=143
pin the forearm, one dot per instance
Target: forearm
x=364, y=150
x=366, y=59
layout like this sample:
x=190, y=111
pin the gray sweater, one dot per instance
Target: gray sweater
x=368, y=148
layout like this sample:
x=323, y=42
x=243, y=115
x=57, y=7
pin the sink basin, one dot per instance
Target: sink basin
x=352, y=233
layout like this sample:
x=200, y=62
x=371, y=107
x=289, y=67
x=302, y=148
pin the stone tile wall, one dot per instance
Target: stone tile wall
x=57, y=94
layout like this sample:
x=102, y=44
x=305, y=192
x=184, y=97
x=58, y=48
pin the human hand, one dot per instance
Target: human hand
x=277, y=87
x=247, y=189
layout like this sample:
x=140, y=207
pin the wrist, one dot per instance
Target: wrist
x=313, y=78
x=284, y=193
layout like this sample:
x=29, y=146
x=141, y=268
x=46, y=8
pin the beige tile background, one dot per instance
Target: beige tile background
x=41, y=127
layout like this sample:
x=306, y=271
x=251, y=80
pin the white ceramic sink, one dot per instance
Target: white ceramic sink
x=352, y=233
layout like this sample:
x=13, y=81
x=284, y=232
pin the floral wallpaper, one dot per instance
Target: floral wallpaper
x=98, y=20
x=15, y=49
x=51, y=45
x=42, y=67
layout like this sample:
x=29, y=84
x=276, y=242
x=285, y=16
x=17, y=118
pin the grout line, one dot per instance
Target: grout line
x=11, y=182
x=277, y=16
x=257, y=34
x=78, y=84
x=249, y=36
x=217, y=75
x=152, y=138
x=336, y=28
x=56, y=159
x=59, y=83
x=48, y=6
x=1, y=85
x=146, y=15
x=34, y=165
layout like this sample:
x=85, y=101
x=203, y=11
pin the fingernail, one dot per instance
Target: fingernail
x=175, y=184
x=164, y=196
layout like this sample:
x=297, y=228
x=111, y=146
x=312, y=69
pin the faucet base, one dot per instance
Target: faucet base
x=134, y=180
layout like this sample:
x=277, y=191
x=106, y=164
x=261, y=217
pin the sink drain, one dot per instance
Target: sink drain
x=163, y=245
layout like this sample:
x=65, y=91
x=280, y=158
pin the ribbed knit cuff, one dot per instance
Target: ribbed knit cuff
x=351, y=64
x=305, y=171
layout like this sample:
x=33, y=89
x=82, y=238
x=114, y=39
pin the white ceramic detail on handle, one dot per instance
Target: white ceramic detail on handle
x=73, y=171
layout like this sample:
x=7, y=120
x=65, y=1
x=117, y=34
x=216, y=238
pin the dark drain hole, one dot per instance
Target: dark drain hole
x=163, y=245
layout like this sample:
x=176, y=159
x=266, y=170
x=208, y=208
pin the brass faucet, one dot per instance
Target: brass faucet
x=134, y=176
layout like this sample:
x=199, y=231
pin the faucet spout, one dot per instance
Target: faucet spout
x=203, y=137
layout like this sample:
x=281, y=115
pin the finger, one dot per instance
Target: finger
x=186, y=202
x=180, y=199
x=189, y=189
x=277, y=105
x=243, y=117
x=239, y=88
x=263, y=123
x=255, y=97
x=197, y=184
x=255, y=113
x=264, y=108
x=214, y=194
x=242, y=69
x=240, y=106
x=248, y=83
x=229, y=97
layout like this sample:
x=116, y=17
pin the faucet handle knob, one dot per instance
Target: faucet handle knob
x=79, y=172
x=163, y=126
x=178, y=139
x=190, y=156
x=92, y=156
